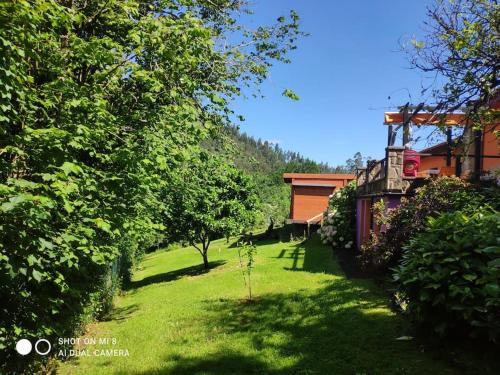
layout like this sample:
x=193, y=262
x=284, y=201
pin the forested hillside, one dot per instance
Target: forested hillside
x=266, y=162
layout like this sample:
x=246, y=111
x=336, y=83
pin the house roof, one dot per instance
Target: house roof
x=437, y=147
x=317, y=177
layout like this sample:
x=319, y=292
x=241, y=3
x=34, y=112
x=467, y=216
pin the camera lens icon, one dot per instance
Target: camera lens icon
x=47, y=344
x=24, y=347
x=42, y=347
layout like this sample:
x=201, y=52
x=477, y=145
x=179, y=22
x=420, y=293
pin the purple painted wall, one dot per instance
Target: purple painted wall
x=363, y=214
x=391, y=201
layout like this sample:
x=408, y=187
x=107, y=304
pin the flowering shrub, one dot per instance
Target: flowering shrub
x=338, y=226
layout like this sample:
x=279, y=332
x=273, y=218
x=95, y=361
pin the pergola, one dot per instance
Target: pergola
x=409, y=115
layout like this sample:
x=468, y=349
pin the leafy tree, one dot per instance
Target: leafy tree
x=461, y=50
x=355, y=162
x=100, y=103
x=212, y=199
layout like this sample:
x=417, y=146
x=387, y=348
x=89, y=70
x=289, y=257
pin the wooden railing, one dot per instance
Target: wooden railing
x=386, y=175
x=374, y=171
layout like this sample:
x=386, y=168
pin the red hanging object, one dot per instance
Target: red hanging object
x=411, y=163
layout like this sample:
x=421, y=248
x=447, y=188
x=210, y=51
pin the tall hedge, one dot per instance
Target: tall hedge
x=99, y=103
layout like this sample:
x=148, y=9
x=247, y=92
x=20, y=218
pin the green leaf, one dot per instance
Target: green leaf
x=102, y=224
x=45, y=244
x=494, y=263
x=492, y=289
x=69, y=168
x=37, y=275
x=469, y=277
x=290, y=94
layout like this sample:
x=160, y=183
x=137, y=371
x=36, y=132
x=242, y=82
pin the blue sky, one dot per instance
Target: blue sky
x=343, y=72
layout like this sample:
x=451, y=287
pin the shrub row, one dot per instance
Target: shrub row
x=441, y=248
x=445, y=194
x=449, y=275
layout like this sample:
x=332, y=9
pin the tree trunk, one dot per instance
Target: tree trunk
x=205, y=260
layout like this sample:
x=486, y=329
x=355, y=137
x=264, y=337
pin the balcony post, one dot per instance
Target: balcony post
x=394, y=176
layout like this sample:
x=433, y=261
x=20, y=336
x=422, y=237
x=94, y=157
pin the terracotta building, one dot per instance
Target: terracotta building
x=310, y=193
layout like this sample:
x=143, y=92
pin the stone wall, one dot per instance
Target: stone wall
x=389, y=180
x=394, y=172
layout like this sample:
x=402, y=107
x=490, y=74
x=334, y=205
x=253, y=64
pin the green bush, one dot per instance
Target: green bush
x=450, y=274
x=444, y=194
x=339, y=221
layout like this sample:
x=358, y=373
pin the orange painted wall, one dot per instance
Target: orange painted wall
x=310, y=192
x=309, y=201
x=491, y=146
x=429, y=162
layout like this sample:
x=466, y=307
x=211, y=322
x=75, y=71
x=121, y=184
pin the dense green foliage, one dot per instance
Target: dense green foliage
x=444, y=194
x=339, y=221
x=209, y=200
x=101, y=102
x=450, y=274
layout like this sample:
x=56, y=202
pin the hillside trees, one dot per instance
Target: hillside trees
x=211, y=199
x=100, y=103
x=266, y=162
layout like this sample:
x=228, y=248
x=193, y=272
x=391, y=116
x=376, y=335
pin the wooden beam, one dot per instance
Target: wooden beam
x=448, y=146
x=452, y=119
x=406, y=125
x=458, y=166
x=390, y=135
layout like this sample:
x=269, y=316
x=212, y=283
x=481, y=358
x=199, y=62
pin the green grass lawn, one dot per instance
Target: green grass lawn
x=307, y=318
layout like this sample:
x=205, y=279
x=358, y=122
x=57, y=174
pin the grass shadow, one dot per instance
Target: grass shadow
x=309, y=256
x=229, y=363
x=196, y=270
x=120, y=313
x=340, y=328
x=348, y=261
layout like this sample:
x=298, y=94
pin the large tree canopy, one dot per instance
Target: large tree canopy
x=100, y=103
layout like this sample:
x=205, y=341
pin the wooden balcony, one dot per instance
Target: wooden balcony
x=385, y=176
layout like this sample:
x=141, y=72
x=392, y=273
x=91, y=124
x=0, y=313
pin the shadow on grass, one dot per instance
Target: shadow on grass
x=121, y=313
x=310, y=256
x=174, y=275
x=314, y=259
x=340, y=328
